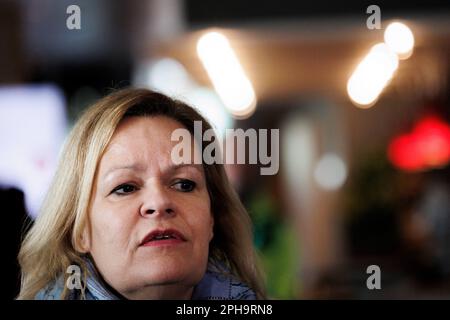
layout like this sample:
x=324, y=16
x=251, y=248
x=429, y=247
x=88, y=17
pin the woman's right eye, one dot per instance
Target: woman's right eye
x=124, y=189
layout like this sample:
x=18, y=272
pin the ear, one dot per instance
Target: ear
x=85, y=241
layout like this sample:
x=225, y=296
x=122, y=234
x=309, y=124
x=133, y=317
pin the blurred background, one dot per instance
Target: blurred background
x=360, y=95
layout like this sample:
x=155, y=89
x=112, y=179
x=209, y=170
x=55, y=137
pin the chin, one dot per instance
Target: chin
x=169, y=268
x=164, y=273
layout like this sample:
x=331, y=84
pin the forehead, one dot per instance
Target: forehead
x=141, y=140
x=156, y=130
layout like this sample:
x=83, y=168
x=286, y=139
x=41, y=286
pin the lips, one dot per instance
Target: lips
x=163, y=237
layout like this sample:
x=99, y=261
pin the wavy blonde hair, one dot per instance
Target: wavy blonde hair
x=53, y=242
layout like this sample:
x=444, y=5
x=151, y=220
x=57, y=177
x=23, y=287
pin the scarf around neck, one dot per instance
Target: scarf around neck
x=215, y=285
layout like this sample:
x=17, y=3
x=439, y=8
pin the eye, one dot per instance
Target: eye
x=185, y=185
x=124, y=189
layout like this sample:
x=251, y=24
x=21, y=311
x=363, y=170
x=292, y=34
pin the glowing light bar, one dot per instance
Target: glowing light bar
x=227, y=75
x=372, y=75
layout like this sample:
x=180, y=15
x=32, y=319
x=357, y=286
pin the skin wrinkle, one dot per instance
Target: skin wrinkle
x=119, y=223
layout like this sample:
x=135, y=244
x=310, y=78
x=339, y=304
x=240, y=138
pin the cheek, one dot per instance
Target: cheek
x=111, y=226
x=201, y=224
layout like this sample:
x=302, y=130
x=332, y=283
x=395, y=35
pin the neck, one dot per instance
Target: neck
x=160, y=292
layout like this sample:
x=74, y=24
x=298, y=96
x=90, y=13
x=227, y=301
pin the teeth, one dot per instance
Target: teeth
x=162, y=237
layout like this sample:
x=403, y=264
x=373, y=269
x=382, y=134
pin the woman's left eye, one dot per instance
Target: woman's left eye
x=185, y=185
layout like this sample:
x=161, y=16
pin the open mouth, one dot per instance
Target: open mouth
x=163, y=237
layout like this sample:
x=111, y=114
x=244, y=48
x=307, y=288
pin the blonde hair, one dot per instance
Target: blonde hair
x=53, y=242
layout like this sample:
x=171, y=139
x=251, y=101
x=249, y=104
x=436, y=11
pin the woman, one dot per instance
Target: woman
x=134, y=224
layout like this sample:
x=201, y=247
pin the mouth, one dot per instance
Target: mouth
x=163, y=237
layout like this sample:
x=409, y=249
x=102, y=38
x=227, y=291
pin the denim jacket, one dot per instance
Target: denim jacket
x=215, y=285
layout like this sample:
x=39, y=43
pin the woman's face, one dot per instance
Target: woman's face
x=150, y=221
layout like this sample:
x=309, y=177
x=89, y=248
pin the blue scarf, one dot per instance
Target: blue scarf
x=215, y=285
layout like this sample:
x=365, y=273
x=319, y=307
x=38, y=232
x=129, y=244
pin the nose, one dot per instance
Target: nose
x=157, y=202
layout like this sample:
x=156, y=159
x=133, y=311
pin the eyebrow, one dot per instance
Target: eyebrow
x=172, y=168
x=176, y=167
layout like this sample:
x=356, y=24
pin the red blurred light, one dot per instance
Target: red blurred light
x=427, y=146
